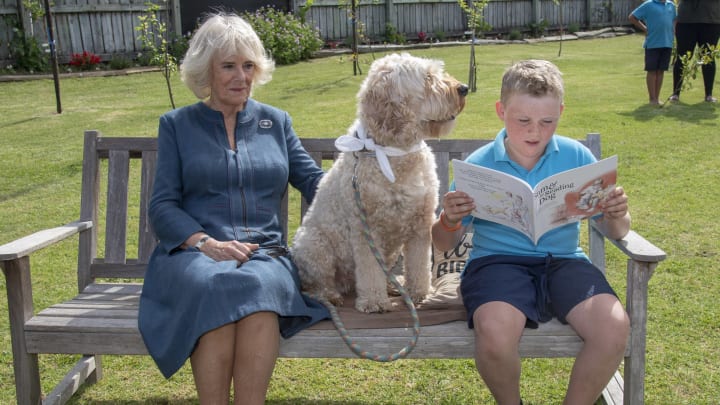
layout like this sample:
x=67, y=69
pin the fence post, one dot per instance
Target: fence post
x=536, y=14
x=24, y=19
x=176, y=20
x=389, y=15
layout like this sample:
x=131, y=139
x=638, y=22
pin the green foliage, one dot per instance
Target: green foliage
x=29, y=56
x=118, y=62
x=35, y=8
x=286, y=38
x=573, y=28
x=515, y=35
x=392, y=36
x=476, y=19
x=178, y=46
x=538, y=29
x=153, y=35
x=693, y=61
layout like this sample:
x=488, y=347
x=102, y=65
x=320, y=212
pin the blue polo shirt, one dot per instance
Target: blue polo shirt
x=490, y=238
x=659, y=17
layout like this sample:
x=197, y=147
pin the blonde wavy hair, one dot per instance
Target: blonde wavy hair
x=223, y=34
x=533, y=77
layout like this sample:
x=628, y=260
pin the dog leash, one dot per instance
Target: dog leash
x=344, y=334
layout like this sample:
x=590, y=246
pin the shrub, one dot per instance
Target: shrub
x=29, y=56
x=84, y=61
x=284, y=36
x=392, y=36
x=119, y=62
x=515, y=35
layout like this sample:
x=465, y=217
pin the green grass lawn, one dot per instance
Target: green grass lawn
x=668, y=164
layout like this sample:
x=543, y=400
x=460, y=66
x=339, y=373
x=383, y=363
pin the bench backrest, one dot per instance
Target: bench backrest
x=117, y=182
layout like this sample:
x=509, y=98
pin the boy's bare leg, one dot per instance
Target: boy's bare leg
x=601, y=321
x=498, y=327
x=653, y=86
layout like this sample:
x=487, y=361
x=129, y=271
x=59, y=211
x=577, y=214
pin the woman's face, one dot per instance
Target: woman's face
x=231, y=79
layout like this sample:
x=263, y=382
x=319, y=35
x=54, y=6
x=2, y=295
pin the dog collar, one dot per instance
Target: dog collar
x=360, y=141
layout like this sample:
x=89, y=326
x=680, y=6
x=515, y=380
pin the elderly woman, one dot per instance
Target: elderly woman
x=220, y=288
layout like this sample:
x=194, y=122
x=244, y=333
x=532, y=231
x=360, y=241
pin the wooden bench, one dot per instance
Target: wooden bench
x=117, y=180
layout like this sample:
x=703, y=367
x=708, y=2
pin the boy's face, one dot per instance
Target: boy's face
x=530, y=122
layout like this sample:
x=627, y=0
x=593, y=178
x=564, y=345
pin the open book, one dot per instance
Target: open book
x=565, y=197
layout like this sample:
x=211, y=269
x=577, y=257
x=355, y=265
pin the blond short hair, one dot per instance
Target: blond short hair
x=223, y=34
x=532, y=77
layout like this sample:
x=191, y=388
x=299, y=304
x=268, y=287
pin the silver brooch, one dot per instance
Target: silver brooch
x=265, y=124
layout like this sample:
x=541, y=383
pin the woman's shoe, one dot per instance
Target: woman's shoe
x=674, y=98
x=711, y=99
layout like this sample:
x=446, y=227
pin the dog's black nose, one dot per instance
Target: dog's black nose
x=463, y=90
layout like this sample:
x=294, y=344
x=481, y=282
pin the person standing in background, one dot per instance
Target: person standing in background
x=698, y=24
x=656, y=18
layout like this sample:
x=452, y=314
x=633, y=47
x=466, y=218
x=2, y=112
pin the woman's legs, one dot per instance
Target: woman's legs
x=685, y=38
x=257, y=343
x=212, y=364
x=709, y=36
x=243, y=352
x=688, y=36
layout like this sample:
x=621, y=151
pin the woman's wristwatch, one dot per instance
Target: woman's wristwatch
x=201, y=242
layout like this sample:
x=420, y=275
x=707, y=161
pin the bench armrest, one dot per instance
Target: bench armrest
x=38, y=240
x=634, y=246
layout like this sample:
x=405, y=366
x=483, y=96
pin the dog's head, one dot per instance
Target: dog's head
x=406, y=99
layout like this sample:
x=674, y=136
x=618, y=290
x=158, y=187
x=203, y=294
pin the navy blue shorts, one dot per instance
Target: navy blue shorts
x=540, y=287
x=657, y=59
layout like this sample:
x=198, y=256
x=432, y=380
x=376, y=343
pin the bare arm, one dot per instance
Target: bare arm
x=447, y=231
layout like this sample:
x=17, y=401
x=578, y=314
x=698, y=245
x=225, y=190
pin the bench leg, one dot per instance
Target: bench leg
x=84, y=372
x=20, y=307
x=639, y=274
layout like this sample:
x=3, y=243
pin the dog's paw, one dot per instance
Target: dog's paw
x=373, y=306
x=418, y=297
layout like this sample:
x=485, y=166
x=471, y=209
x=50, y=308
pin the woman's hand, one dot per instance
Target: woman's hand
x=228, y=250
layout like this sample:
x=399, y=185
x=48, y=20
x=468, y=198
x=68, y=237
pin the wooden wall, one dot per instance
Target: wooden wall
x=103, y=27
x=445, y=16
x=107, y=27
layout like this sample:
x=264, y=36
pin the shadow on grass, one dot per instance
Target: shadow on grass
x=193, y=400
x=695, y=113
x=9, y=124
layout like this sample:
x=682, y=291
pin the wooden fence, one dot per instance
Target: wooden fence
x=108, y=27
x=438, y=18
x=103, y=27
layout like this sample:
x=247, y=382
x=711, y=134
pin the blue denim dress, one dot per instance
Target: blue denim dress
x=204, y=185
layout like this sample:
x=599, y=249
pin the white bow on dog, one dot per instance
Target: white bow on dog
x=349, y=143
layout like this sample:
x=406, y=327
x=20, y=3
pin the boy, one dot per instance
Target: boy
x=656, y=18
x=509, y=283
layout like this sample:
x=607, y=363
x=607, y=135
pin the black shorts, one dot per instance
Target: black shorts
x=540, y=287
x=657, y=59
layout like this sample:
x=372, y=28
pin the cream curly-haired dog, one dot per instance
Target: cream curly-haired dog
x=403, y=100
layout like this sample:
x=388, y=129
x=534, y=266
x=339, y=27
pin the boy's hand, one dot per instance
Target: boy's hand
x=615, y=205
x=457, y=205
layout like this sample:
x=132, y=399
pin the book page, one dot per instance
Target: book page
x=573, y=195
x=498, y=197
